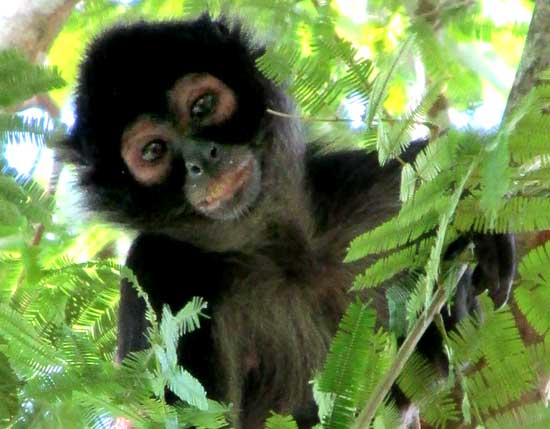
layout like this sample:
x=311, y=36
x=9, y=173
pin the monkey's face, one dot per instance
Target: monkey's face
x=171, y=124
x=221, y=181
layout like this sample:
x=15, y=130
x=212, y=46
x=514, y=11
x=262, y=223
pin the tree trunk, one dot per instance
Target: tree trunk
x=535, y=57
x=534, y=60
x=32, y=25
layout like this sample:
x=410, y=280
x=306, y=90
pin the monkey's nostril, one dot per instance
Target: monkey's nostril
x=214, y=152
x=193, y=169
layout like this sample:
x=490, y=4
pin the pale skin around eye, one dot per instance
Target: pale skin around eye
x=195, y=100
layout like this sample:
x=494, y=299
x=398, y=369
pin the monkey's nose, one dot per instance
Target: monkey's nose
x=201, y=157
x=194, y=169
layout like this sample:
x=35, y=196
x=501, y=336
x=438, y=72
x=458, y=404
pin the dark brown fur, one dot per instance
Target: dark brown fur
x=273, y=276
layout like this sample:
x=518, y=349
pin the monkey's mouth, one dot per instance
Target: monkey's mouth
x=224, y=187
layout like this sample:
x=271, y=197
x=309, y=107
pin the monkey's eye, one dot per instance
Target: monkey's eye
x=204, y=106
x=154, y=150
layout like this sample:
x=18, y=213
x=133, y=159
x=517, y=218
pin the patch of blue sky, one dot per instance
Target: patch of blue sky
x=354, y=10
x=504, y=12
x=486, y=116
x=8, y=8
x=28, y=158
x=24, y=155
x=67, y=114
x=355, y=109
x=127, y=2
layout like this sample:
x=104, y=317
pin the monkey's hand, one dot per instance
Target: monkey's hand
x=495, y=271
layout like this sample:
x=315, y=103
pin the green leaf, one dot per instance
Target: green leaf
x=495, y=179
x=385, y=268
x=20, y=80
x=276, y=421
x=357, y=359
x=532, y=295
x=26, y=351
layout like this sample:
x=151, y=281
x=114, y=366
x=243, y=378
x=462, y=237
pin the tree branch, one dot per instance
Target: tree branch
x=403, y=355
x=535, y=57
x=32, y=25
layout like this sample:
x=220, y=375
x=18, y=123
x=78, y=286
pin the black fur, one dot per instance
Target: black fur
x=127, y=72
x=273, y=278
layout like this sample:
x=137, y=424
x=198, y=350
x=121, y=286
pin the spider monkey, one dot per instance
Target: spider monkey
x=172, y=140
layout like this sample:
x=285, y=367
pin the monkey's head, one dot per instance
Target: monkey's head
x=171, y=124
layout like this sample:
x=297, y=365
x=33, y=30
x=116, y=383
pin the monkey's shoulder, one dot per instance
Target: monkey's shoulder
x=350, y=187
x=172, y=271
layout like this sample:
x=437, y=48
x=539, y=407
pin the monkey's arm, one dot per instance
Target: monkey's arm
x=350, y=185
x=170, y=272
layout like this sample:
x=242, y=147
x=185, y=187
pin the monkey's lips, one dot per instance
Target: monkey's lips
x=224, y=187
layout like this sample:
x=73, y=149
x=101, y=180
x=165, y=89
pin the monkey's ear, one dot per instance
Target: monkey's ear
x=69, y=150
x=496, y=268
x=65, y=149
x=223, y=25
x=220, y=24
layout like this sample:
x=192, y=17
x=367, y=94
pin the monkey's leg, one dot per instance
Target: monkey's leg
x=172, y=273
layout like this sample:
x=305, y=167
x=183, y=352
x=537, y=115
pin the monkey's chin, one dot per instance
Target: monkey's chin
x=233, y=194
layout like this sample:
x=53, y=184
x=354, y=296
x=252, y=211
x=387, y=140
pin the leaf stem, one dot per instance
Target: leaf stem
x=306, y=118
x=403, y=355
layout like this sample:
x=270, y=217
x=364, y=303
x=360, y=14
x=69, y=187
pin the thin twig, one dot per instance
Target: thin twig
x=336, y=119
x=434, y=128
x=403, y=355
x=427, y=124
x=457, y=369
x=438, y=10
x=401, y=160
x=49, y=106
x=307, y=118
x=39, y=231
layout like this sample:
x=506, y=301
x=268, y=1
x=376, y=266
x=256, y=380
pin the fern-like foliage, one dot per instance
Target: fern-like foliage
x=20, y=80
x=280, y=422
x=58, y=316
x=359, y=355
x=58, y=309
x=421, y=382
x=170, y=374
x=532, y=294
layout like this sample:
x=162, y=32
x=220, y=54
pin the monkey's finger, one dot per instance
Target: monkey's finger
x=496, y=255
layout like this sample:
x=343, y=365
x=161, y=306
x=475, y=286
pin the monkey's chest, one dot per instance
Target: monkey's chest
x=272, y=332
